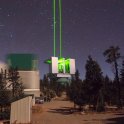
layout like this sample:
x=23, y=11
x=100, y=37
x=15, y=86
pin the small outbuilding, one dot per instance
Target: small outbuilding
x=21, y=110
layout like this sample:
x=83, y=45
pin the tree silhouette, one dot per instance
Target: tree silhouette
x=15, y=82
x=112, y=55
x=122, y=81
x=108, y=90
x=77, y=75
x=4, y=93
x=76, y=91
x=93, y=80
x=48, y=87
x=122, y=73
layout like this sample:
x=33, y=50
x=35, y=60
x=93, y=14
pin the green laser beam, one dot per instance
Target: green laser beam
x=60, y=24
x=54, y=25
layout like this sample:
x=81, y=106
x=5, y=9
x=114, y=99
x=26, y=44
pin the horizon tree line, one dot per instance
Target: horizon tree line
x=96, y=89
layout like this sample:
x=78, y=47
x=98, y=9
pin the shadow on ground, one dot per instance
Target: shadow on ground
x=62, y=110
x=116, y=120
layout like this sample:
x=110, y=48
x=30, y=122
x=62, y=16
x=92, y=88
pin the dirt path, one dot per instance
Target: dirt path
x=57, y=112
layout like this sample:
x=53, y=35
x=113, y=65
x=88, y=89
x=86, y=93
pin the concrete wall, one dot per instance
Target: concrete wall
x=30, y=79
x=72, y=66
x=36, y=92
x=21, y=111
x=31, y=82
x=54, y=65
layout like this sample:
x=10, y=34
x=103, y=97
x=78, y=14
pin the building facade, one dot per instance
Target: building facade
x=27, y=66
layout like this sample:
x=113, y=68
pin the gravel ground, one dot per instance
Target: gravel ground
x=58, y=112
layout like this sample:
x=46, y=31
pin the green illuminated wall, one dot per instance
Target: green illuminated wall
x=67, y=65
x=26, y=62
x=63, y=65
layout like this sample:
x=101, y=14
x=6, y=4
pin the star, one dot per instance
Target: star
x=11, y=35
x=105, y=10
x=8, y=15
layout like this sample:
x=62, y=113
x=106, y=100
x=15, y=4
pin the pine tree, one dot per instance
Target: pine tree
x=93, y=80
x=112, y=55
x=77, y=75
x=4, y=93
x=122, y=73
x=122, y=82
x=15, y=82
x=109, y=91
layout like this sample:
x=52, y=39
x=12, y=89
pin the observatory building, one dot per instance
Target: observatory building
x=27, y=65
x=61, y=67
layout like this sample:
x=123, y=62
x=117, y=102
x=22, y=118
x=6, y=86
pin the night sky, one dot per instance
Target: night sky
x=89, y=27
